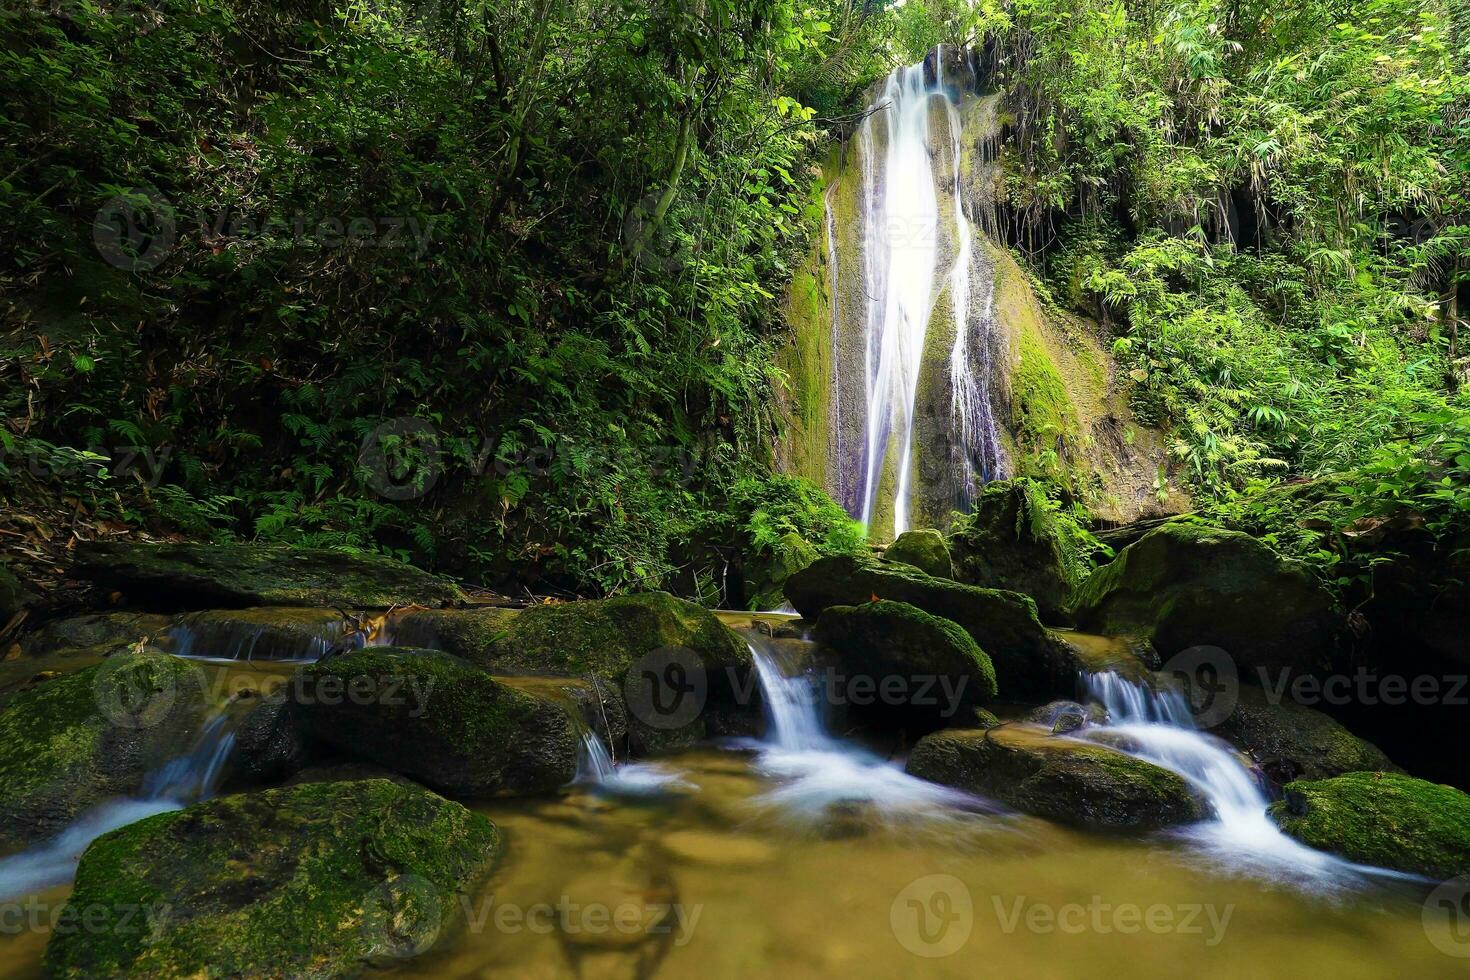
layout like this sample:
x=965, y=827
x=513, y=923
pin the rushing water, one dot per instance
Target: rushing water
x=596, y=768
x=917, y=245
x=1158, y=726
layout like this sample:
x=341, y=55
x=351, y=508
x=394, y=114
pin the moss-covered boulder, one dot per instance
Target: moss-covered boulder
x=1012, y=540
x=1290, y=741
x=1383, y=819
x=924, y=549
x=438, y=719
x=316, y=880
x=472, y=634
x=180, y=577
x=260, y=633
x=1028, y=659
x=90, y=735
x=1185, y=585
x=766, y=571
x=898, y=665
x=1063, y=779
x=100, y=634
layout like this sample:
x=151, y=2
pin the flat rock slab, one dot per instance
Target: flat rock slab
x=183, y=577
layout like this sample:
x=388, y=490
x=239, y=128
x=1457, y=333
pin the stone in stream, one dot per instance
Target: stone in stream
x=269, y=743
x=664, y=638
x=1062, y=717
x=181, y=577
x=437, y=719
x=262, y=633
x=1012, y=541
x=319, y=880
x=1056, y=777
x=1184, y=585
x=901, y=666
x=94, y=734
x=1029, y=660
x=1382, y=819
x=97, y=634
x=924, y=549
x=1290, y=741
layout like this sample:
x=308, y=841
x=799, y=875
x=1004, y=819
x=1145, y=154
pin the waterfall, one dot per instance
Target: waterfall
x=917, y=244
x=818, y=775
x=182, y=780
x=597, y=769
x=1158, y=727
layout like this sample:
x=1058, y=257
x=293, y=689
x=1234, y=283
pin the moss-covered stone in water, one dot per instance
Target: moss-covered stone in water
x=101, y=634
x=260, y=633
x=468, y=633
x=437, y=719
x=179, y=577
x=1056, y=777
x=1028, y=659
x=82, y=738
x=1013, y=541
x=1290, y=741
x=315, y=880
x=942, y=669
x=1382, y=819
x=925, y=550
x=1185, y=584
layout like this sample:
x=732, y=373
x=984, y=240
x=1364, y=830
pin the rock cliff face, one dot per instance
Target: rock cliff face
x=922, y=363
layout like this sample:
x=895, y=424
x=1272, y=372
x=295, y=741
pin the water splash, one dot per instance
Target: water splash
x=1158, y=726
x=182, y=780
x=597, y=769
x=820, y=775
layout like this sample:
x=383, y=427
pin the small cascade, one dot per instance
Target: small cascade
x=596, y=768
x=1158, y=727
x=180, y=781
x=822, y=776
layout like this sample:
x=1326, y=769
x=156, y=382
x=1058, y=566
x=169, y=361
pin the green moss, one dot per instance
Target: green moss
x=1290, y=741
x=80, y=738
x=886, y=638
x=313, y=880
x=1060, y=778
x=1016, y=539
x=437, y=719
x=924, y=549
x=1383, y=819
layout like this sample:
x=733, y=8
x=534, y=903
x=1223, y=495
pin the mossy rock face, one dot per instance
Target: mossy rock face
x=180, y=577
x=316, y=880
x=767, y=573
x=90, y=735
x=1290, y=741
x=1382, y=819
x=921, y=670
x=925, y=550
x=437, y=719
x=468, y=633
x=1185, y=585
x=262, y=633
x=1062, y=779
x=101, y=634
x=1010, y=543
x=1028, y=660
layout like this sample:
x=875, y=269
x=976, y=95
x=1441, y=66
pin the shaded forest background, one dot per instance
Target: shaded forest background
x=494, y=287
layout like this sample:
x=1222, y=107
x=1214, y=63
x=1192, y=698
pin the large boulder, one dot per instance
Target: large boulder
x=1013, y=541
x=1382, y=819
x=1063, y=779
x=1186, y=585
x=179, y=577
x=316, y=880
x=264, y=633
x=1290, y=741
x=1029, y=660
x=438, y=719
x=472, y=633
x=925, y=550
x=899, y=665
x=82, y=738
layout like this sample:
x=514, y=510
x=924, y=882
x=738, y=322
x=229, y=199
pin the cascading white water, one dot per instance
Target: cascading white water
x=182, y=780
x=596, y=768
x=1158, y=726
x=910, y=255
x=818, y=772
